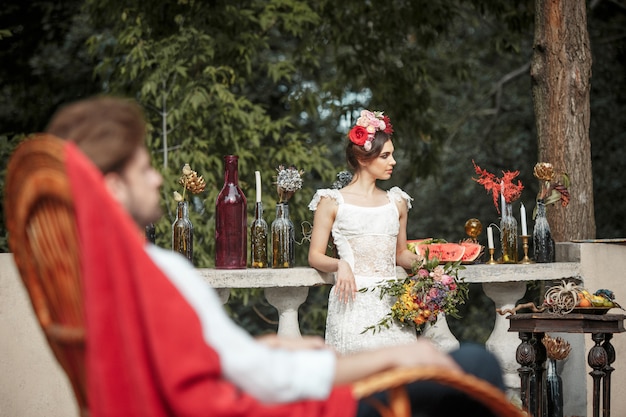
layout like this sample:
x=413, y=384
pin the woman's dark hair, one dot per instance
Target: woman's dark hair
x=356, y=153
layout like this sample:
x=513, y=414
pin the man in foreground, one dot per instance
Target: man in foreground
x=159, y=342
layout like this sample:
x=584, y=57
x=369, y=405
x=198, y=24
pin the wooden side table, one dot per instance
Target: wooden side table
x=531, y=354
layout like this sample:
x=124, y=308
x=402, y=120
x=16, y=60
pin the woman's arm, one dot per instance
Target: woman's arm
x=345, y=285
x=404, y=257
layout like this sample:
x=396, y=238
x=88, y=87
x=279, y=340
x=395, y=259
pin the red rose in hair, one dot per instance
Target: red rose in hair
x=358, y=135
x=388, y=128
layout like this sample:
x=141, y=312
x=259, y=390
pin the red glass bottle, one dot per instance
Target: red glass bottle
x=230, y=220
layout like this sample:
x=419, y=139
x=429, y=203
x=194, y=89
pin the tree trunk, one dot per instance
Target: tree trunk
x=560, y=75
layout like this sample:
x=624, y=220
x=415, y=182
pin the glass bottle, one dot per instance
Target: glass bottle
x=258, y=238
x=182, y=231
x=543, y=244
x=283, y=255
x=151, y=233
x=554, y=390
x=231, y=226
x=508, y=234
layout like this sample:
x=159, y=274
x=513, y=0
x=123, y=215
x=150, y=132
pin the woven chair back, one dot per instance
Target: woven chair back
x=44, y=241
x=394, y=382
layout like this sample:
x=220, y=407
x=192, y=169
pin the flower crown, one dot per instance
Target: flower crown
x=366, y=127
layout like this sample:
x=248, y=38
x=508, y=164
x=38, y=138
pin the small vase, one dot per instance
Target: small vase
x=182, y=232
x=508, y=235
x=283, y=255
x=543, y=244
x=151, y=233
x=231, y=223
x=554, y=391
x=258, y=238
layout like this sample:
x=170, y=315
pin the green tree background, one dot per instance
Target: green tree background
x=280, y=82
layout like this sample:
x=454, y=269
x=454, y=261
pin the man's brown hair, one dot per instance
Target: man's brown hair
x=108, y=130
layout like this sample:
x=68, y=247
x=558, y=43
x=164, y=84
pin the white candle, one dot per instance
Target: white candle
x=257, y=177
x=523, y=215
x=502, y=200
x=490, y=237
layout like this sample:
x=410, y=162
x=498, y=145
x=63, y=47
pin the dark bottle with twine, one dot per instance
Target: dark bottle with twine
x=230, y=220
x=543, y=243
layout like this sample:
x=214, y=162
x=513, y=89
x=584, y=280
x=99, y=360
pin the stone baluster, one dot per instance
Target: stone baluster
x=287, y=301
x=441, y=336
x=501, y=342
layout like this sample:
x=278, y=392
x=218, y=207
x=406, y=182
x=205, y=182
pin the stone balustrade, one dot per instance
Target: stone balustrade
x=287, y=289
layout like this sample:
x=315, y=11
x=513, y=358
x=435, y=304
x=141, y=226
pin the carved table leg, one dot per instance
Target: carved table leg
x=598, y=360
x=608, y=369
x=525, y=356
x=539, y=370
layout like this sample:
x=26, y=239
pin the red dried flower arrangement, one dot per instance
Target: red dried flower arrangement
x=497, y=186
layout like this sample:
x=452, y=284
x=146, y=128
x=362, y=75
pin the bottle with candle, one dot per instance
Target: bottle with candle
x=258, y=230
x=230, y=220
x=508, y=233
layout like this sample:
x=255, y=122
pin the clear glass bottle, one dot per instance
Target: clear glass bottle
x=258, y=238
x=182, y=231
x=543, y=244
x=231, y=226
x=283, y=255
x=508, y=235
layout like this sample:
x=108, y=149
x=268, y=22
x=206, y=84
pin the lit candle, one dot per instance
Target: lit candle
x=490, y=237
x=257, y=176
x=523, y=215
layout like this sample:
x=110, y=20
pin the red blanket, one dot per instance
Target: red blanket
x=145, y=351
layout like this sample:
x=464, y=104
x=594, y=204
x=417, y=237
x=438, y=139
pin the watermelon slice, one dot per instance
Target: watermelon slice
x=445, y=252
x=472, y=251
x=411, y=244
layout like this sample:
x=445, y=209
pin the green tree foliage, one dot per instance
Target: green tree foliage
x=205, y=74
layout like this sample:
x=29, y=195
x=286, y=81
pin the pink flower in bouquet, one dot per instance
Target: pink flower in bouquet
x=437, y=273
x=447, y=280
x=423, y=273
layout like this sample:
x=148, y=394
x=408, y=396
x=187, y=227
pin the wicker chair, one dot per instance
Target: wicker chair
x=43, y=237
x=44, y=242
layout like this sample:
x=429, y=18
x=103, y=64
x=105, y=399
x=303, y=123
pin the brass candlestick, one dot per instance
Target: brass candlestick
x=525, y=259
x=491, y=261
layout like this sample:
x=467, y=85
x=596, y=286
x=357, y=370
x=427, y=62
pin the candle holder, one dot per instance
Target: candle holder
x=491, y=261
x=525, y=259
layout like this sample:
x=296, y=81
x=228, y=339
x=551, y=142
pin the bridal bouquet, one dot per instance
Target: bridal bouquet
x=430, y=289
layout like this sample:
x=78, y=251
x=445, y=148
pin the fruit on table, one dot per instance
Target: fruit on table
x=411, y=244
x=445, y=252
x=601, y=298
x=472, y=251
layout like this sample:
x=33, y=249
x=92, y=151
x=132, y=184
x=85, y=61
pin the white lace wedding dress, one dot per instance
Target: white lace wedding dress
x=365, y=237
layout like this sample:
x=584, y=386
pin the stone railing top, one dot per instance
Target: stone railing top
x=308, y=277
x=266, y=277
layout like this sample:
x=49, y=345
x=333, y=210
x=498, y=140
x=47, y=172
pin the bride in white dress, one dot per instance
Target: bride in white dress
x=368, y=227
